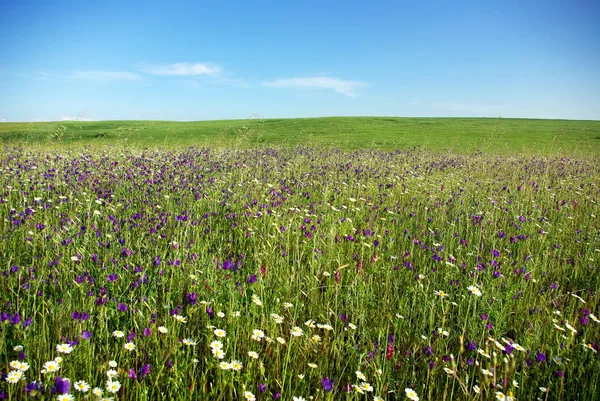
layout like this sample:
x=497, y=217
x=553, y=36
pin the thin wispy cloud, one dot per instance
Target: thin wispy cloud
x=197, y=82
x=183, y=69
x=341, y=86
x=105, y=75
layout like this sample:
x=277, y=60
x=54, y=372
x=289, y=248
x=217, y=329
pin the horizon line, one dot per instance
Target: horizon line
x=88, y=121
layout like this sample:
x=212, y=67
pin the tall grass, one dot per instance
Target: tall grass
x=460, y=135
x=316, y=273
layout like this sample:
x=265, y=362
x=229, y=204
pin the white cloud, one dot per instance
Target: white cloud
x=183, y=69
x=105, y=75
x=339, y=85
x=69, y=118
x=3, y=120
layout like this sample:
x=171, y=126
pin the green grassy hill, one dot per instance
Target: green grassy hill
x=462, y=135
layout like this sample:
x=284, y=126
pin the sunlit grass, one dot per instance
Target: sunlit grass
x=459, y=135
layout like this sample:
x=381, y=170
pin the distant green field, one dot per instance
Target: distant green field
x=461, y=135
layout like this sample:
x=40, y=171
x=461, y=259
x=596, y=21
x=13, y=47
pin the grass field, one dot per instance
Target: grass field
x=186, y=261
x=460, y=135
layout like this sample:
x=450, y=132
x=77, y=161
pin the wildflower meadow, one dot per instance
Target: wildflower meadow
x=298, y=274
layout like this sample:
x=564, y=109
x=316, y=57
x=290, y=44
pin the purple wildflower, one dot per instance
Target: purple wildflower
x=327, y=384
x=16, y=319
x=145, y=370
x=33, y=389
x=540, y=357
x=63, y=386
x=508, y=349
x=191, y=298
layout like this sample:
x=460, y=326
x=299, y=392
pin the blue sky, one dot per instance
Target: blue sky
x=218, y=60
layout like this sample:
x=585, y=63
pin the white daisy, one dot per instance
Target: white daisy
x=112, y=386
x=189, y=342
x=64, y=348
x=51, y=366
x=218, y=353
x=82, y=386
x=474, y=290
x=256, y=300
x=14, y=376
x=236, y=365
x=411, y=394
x=180, y=319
